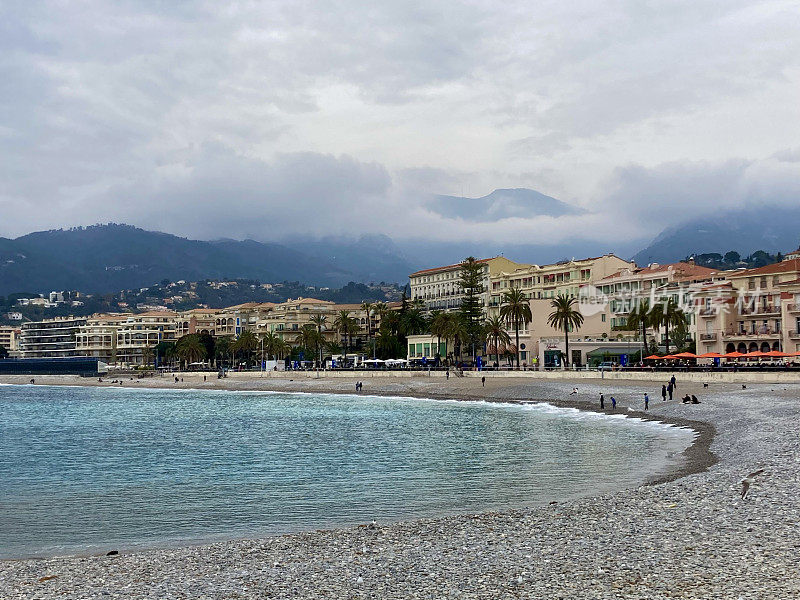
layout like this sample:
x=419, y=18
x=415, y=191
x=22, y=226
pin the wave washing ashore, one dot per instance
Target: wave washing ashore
x=692, y=537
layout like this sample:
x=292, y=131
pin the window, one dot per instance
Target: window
x=603, y=317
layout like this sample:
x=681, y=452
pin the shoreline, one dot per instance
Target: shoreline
x=716, y=460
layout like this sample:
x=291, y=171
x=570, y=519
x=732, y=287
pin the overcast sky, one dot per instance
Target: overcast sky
x=272, y=119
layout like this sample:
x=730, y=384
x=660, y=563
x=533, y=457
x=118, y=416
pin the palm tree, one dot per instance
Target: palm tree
x=667, y=314
x=189, y=349
x=367, y=308
x=414, y=321
x=221, y=349
x=438, y=326
x=309, y=338
x=319, y=321
x=344, y=325
x=639, y=316
x=247, y=342
x=147, y=355
x=515, y=307
x=495, y=329
x=565, y=317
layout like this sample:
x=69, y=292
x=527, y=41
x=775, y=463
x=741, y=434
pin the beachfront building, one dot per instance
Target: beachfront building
x=426, y=348
x=125, y=339
x=541, y=284
x=656, y=283
x=197, y=320
x=233, y=320
x=51, y=338
x=754, y=309
x=9, y=339
x=287, y=319
x=439, y=288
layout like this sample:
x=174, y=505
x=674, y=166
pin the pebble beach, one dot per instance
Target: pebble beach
x=685, y=534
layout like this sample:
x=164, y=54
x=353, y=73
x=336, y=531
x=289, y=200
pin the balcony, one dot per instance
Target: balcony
x=794, y=334
x=707, y=337
x=766, y=310
x=760, y=334
x=794, y=307
x=708, y=312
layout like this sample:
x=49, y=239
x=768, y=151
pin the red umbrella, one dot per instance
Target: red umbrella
x=776, y=354
x=686, y=355
x=652, y=357
x=710, y=355
x=756, y=354
x=734, y=355
x=668, y=356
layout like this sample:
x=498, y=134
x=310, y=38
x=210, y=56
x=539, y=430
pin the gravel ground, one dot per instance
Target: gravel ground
x=686, y=537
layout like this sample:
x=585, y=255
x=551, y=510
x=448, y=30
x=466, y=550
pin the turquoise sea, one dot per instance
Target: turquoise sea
x=91, y=469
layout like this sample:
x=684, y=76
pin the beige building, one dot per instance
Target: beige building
x=197, y=320
x=754, y=309
x=125, y=339
x=9, y=339
x=541, y=284
x=439, y=288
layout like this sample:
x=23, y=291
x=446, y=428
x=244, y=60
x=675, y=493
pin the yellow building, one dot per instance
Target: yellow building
x=125, y=339
x=9, y=339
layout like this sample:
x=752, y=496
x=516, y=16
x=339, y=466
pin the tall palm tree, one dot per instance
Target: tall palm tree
x=565, y=317
x=319, y=322
x=495, y=328
x=515, y=307
x=667, y=314
x=438, y=326
x=344, y=325
x=221, y=349
x=368, y=309
x=414, y=321
x=639, y=316
x=147, y=355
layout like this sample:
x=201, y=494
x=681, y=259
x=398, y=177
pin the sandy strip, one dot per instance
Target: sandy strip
x=688, y=536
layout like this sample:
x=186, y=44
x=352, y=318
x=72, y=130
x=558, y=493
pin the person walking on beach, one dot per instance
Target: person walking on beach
x=646, y=402
x=669, y=390
x=483, y=381
x=602, y=402
x=447, y=375
x=613, y=403
x=663, y=393
x=672, y=381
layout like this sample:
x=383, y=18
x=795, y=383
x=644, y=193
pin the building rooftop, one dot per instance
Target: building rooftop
x=448, y=267
x=681, y=271
x=791, y=265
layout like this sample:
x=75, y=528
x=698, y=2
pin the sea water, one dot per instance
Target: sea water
x=93, y=469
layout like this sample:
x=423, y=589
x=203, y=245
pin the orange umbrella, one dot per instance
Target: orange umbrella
x=710, y=355
x=734, y=355
x=686, y=355
x=652, y=357
x=756, y=354
x=776, y=354
x=668, y=356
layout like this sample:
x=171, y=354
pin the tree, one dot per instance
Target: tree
x=344, y=324
x=147, y=354
x=564, y=317
x=667, y=315
x=246, y=344
x=367, y=308
x=189, y=349
x=640, y=316
x=222, y=348
x=3, y=352
x=319, y=322
x=495, y=328
x=413, y=321
x=438, y=326
x=732, y=257
x=515, y=307
x=471, y=309
x=310, y=339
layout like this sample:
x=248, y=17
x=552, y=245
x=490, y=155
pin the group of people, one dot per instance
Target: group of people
x=359, y=386
x=666, y=390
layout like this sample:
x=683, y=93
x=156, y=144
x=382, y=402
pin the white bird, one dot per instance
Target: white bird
x=748, y=480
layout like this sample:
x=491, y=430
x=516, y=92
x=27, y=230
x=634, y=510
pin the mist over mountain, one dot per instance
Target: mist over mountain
x=769, y=228
x=501, y=204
